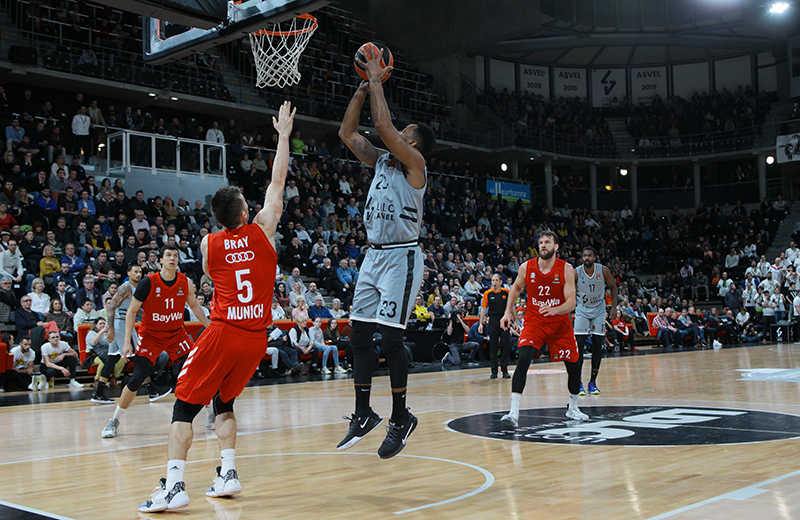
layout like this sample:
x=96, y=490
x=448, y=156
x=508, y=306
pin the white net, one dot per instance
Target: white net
x=277, y=51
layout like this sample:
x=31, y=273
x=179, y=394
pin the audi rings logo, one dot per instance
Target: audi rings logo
x=241, y=256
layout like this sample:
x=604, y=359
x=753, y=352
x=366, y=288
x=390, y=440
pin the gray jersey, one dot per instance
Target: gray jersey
x=393, y=212
x=122, y=310
x=590, y=292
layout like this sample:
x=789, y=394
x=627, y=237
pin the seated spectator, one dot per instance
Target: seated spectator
x=90, y=292
x=436, y=309
x=347, y=277
x=64, y=275
x=334, y=337
x=727, y=324
x=49, y=264
x=337, y=312
x=300, y=341
x=301, y=311
x=319, y=310
x=60, y=317
x=295, y=278
x=20, y=376
x=283, y=298
x=201, y=301
x=26, y=319
x=666, y=332
x=97, y=344
x=59, y=359
x=277, y=311
x=85, y=314
x=11, y=265
x=8, y=301
x=296, y=294
x=312, y=293
x=317, y=338
x=41, y=300
x=420, y=312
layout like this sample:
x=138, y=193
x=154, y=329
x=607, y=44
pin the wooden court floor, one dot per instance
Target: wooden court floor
x=710, y=461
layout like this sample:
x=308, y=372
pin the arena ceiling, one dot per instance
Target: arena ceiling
x=583, y=32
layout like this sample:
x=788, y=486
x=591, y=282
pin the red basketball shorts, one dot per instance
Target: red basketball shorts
x=151, y=344
x=559, y=338
x=223, y=359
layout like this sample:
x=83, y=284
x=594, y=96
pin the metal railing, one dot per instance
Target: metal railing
x=126, y=149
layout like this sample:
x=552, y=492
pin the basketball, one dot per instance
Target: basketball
x=387, y=60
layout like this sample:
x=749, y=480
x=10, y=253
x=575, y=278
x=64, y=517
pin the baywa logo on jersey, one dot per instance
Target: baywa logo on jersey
x=240, y=256
x=636, y=426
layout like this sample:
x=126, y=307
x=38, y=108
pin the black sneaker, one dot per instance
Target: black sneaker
x=157, y=393
x=359, y=428
x=100, y=399
x=396, y=437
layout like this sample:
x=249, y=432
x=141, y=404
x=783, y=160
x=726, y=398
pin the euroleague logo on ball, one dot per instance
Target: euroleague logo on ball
x=241, y=256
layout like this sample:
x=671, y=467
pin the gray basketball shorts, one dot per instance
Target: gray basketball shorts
x=115, y=347
x=388, y=281
x=586, y=326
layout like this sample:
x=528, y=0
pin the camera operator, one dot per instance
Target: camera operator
x=454, y=337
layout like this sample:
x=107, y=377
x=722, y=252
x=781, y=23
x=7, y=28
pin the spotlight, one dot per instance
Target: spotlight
x=504, y=167
x=173, y=98
x=608, y=187
x=778, y=7
x=770, y=159
x=623, y=172
x=152, y=94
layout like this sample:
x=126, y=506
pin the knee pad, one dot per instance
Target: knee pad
x=185, y=412
x=362, y=333
x=221, y=406
x=392, y=339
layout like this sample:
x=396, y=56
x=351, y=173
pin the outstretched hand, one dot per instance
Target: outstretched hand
x=283, y=124
x=373, y=66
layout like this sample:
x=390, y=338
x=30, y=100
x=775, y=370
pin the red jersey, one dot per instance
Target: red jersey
x=163, y=307
x=242, y=263
x=544, y=289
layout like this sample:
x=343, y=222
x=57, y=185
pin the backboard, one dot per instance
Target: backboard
x=166, y=40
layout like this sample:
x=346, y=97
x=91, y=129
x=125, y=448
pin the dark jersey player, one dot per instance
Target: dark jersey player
x=230, y=349
x=550, y=285
x=162, y=297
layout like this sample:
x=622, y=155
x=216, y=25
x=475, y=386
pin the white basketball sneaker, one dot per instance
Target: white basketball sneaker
x=162, y=500
x=510, y=420
x=226, y=486
x=110, y=431
x=576, y=415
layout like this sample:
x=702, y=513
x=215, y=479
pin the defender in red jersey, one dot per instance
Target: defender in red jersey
x=228, y=352
x=550, y=286
x=162, y=297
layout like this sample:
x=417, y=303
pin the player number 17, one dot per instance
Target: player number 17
x=244, y=285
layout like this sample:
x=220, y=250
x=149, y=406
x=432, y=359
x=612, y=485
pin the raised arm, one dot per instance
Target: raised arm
x=270, y=214
x=348, y=131
x=382, y=119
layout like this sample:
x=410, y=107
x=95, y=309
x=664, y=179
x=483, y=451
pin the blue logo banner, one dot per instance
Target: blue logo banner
x=509, y=191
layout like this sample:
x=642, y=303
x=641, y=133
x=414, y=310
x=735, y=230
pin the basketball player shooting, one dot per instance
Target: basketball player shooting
x=550, y=285
x=230, y=349
x=391, y=273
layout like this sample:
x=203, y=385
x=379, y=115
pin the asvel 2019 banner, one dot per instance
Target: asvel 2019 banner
x=787, y=148
x=509, y=191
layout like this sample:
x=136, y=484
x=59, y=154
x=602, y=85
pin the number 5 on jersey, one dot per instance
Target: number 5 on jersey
x=244, y=285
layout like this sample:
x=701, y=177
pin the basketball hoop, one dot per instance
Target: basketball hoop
x=277, y=51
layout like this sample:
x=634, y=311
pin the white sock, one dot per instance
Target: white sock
x=118, y=413
x=573, y=401
x=174, y=472
x=515, y=403
x=228, y=462
x=209, y=412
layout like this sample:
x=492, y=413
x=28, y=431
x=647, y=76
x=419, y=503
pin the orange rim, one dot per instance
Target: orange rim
x=292, y=33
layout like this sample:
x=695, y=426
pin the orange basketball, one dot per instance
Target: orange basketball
x=369, y=49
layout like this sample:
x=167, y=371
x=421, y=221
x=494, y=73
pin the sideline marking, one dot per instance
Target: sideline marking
x=487, y=483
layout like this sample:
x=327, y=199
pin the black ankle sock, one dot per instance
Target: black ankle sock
x=101, y=389
x=362, y=400
x=399, y=412
x=594, y=376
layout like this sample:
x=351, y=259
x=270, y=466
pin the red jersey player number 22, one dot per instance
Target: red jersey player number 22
x=245, y=256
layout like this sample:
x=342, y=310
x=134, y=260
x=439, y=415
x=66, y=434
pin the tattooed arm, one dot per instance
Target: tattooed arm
x=348, y=131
